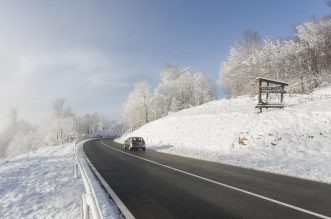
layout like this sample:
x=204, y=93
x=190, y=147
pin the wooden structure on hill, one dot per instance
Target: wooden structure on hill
x=267, y=86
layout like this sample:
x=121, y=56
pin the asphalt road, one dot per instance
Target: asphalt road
x=158, y=185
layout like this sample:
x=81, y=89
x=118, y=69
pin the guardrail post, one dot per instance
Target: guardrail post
x=86, y=210
x=76, y=167
x=89, y=205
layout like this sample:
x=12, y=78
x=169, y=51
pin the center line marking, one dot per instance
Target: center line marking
x=224, y=185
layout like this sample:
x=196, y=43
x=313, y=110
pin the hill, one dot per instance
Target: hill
x=293, y=141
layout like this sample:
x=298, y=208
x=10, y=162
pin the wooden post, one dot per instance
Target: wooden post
x=259, y=90
x=282, y=95
x=267, y=93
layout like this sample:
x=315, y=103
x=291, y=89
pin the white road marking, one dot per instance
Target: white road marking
x=224, y=185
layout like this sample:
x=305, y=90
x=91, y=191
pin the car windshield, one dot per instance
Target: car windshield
x=137, y=139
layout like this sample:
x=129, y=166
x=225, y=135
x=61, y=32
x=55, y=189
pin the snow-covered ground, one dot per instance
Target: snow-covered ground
x=41, y=185
x=293, y=141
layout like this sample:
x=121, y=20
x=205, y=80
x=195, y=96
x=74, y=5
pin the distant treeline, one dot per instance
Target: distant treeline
x=63, y=126
x=304, y=61
x=178, y=89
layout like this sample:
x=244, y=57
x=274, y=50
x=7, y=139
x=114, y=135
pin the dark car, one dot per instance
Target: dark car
x=134, y=143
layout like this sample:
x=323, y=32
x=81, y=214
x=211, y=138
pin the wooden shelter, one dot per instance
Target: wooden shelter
x=267, y=86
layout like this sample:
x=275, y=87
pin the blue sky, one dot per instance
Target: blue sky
x=92, y=52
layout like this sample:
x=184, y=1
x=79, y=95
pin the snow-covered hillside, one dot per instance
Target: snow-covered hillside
x=293, y=141
x=41, y=185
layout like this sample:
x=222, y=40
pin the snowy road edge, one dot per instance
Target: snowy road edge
x=123, y=209
x=106, y=208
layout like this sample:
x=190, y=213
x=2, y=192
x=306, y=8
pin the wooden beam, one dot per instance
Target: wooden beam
x=272, y=81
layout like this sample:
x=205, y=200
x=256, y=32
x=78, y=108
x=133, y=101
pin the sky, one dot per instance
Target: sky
x=92, y=52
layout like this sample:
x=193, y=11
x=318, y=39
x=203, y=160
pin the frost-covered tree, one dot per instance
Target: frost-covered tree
x=59, y=131
x=203, y=90
x=16, y=129
x=304, y=61
x=19, y=136
x=136, y=109
x=166, y=93
x=88, y=124
x=180, y=89
x=61, y=125
x=60, y=110
x=241, y=68
x=104, y=122
x=315, y=36
x=177, y=90
x=116, y=127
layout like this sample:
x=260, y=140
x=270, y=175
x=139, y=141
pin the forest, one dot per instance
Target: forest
x=62, y=126
x=304, y=61
x=178, y=89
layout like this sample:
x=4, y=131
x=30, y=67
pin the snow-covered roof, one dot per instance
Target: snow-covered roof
x=271, y=80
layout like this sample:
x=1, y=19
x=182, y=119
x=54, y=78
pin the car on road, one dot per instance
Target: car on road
x=134, y=143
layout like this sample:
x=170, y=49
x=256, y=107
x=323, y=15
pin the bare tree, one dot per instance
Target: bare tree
x=60, y=110
x=251, y=40
x=13, y=117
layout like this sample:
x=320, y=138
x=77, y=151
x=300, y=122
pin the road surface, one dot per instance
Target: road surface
x=159, y=185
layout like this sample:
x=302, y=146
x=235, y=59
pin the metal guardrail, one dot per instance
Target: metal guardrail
x=90, y=200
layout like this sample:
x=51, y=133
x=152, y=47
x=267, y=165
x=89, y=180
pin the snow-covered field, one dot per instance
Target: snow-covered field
x=293, y=141
x=41, y=185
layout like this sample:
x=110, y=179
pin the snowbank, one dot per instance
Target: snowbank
x=41, y=185
x=294, y=141
x=104, y=202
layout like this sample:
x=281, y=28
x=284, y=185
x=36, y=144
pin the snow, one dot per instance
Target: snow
x=293, y=141
x=93, y=178
x=103, y=134
x=270, y=79
x=41, y=185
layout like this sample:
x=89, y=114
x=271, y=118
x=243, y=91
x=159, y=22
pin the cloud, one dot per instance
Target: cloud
x=30, y=81
x=88, y=53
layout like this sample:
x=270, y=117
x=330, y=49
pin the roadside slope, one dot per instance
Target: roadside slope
x=41, y=185
x=293, y=141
